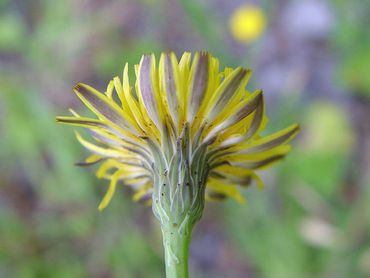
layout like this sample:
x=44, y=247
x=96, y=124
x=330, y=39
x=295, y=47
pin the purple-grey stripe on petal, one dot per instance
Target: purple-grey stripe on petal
x=256, y=121
x=102, y=107
x=91, y=124
x=231, y=88
x=240, y=115
x=199, y=83
x=146, y=88
x=253, y=128
x=259, y=163
x=248, y=108
x=216, y=196
x=217, y=175
x=243, y=180
x=108, y=141
x=146, y=196
x=77, y=121
x=273, y=143
x=84, y=164
x=169, y=80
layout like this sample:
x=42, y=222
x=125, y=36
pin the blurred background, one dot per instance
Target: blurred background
x=311, y=58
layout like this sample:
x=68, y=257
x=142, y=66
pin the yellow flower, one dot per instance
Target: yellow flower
x=184, y=133
x=247, y=23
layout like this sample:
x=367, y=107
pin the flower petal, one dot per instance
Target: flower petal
x=105, y=152
x=112, y=188
x=244, y=109
x=229, y=190
x=199, y=75
x=144, y=123
x=272, y=141
x=256, y=124
x=102, y=106
x=100, y=126
x=147, y=88
x=125, y=105
x=91, y=160
x=242, y=156
x=144, y=193
x=244, y=180
x=170, y=84
x=226, y=91
x=109, y=90
x=259, y=164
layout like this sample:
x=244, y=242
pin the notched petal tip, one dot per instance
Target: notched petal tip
x=251, y=105
x=203, y=53
x=245, y=72
x=82, y=122
x=82, y=88
x=147, y=56
x=85, y=164
x=227, y=91
x=143, y=196
x=278, y=138
x=78, y=87
x=216, y=196
x=297, y=128
x=62, y=119
x=144, y=137
x=260, y=164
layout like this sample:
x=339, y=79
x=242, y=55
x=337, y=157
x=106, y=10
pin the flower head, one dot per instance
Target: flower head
x=184, y=133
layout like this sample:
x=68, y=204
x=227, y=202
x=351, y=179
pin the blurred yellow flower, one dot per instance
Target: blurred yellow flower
x=247, y=23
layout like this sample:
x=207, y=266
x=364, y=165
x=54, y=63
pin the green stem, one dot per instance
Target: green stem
x=176, y=242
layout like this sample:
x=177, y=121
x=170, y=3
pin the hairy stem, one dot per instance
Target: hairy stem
x=176, y=242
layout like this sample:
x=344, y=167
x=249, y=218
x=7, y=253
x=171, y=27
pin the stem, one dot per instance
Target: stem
x=176, y=242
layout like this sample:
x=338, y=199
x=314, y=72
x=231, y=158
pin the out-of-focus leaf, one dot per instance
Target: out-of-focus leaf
x=12, y=33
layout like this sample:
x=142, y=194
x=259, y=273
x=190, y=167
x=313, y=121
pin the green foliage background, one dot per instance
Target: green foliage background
x=312, y=220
